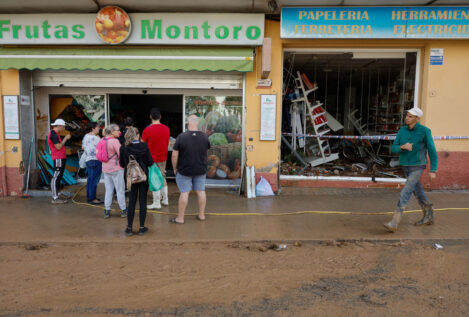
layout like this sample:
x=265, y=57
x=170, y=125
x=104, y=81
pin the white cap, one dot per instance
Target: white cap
x=416, y=112
x=58, y=122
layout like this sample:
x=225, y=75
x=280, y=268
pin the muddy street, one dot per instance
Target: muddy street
x=323, y=278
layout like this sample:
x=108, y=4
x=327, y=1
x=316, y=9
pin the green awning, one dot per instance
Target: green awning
x=186, y=59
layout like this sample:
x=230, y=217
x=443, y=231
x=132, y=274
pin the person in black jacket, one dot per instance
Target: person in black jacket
x=142, y=155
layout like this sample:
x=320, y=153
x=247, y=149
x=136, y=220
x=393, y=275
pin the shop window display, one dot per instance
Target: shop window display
x=221, y=119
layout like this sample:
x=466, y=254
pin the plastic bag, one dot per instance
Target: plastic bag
x=82, y=162
x=263, y=188
x=155, y=179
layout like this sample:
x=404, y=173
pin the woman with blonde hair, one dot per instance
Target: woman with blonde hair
x=141, y=153
x=113, y=172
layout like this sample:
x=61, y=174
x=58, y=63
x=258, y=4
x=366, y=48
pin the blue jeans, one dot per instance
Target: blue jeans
x=94, y=174
x=412, y=185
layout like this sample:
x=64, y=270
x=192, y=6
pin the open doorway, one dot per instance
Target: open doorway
x=339, y=94
x=138, y=107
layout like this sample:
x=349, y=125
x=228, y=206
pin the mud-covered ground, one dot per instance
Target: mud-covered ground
x=328, y=278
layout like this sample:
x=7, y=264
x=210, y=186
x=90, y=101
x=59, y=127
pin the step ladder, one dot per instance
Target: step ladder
x=317, y=116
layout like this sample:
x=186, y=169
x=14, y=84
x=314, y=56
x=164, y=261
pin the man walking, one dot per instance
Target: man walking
x=190, y=166
x=156, y=136
x=412, y=142
x=59, y=157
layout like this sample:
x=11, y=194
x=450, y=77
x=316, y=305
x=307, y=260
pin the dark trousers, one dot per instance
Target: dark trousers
x=139, y=190
x=94, y=168
x=59, y=169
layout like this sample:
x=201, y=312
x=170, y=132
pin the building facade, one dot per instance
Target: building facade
x=85, y=68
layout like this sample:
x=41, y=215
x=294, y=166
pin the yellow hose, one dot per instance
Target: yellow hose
x=305, y=212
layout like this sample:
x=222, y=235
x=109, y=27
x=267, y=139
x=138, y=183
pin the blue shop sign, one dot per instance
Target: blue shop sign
x=375, y=22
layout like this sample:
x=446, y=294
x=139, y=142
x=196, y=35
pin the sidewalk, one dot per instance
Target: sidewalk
x=36, y=220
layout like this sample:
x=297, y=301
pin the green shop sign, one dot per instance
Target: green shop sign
x=146, y=29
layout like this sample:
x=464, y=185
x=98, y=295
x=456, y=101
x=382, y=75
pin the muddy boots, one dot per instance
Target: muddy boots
x=156, y=201
x=164, y=194
x=427, y=219
x=396, y=218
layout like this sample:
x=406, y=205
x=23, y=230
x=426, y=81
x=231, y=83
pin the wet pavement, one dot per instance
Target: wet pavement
x=36, y=220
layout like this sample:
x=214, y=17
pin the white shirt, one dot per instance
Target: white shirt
x=89, y=145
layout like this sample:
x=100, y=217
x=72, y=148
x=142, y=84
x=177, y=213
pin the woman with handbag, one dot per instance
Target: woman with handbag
x=138, y=151
x=93, y=166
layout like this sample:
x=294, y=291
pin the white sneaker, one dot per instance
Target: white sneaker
x=156, y=201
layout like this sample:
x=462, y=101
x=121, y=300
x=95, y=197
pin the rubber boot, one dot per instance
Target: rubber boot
x=396, y=218
x=156, y=201
x=164, y=194
x=427, y=219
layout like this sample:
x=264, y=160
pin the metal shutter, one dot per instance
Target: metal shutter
x=138, y=79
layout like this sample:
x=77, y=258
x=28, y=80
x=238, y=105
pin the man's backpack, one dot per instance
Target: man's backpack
x=102, y=154
x=135, y=173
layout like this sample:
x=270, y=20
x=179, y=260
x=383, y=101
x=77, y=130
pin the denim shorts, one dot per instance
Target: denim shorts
x=188, y=183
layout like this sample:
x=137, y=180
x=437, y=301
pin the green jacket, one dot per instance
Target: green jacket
x=422, y=141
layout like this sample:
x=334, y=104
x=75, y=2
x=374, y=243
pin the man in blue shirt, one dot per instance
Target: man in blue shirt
x=412, y=142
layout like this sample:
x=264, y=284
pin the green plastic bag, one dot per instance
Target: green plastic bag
x=155, y=179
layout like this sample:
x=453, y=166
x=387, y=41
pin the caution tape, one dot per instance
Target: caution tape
x=257, y=214
x=371, y=137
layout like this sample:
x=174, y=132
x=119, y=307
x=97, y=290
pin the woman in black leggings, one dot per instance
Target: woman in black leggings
x=141, y=153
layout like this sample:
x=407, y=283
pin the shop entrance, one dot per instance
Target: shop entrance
x=106, y=97
x=138, y=107
x=340, y=94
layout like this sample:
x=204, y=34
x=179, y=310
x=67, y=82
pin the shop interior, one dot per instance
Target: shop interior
x=138, y=107
x=78, y=110
x=340, y=94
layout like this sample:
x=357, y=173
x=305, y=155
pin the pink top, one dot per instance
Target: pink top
x=113, y=147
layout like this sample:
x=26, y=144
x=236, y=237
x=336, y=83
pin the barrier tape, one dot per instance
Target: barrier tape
x=371, y=137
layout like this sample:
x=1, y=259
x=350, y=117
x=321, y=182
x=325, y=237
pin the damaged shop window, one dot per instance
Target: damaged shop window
x=340, y=110
x=77, y=111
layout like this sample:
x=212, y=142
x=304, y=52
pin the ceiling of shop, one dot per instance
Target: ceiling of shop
x=242, y=6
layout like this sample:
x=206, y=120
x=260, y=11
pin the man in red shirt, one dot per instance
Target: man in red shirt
x=156, y=136
x=59, y=156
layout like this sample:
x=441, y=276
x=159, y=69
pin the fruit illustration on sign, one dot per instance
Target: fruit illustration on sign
x=113, y=25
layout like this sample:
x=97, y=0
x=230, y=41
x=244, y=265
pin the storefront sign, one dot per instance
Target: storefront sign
x=376, y=22
x=11, y=117
x=436, y=56
x=147, y=28
x=268, y=115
